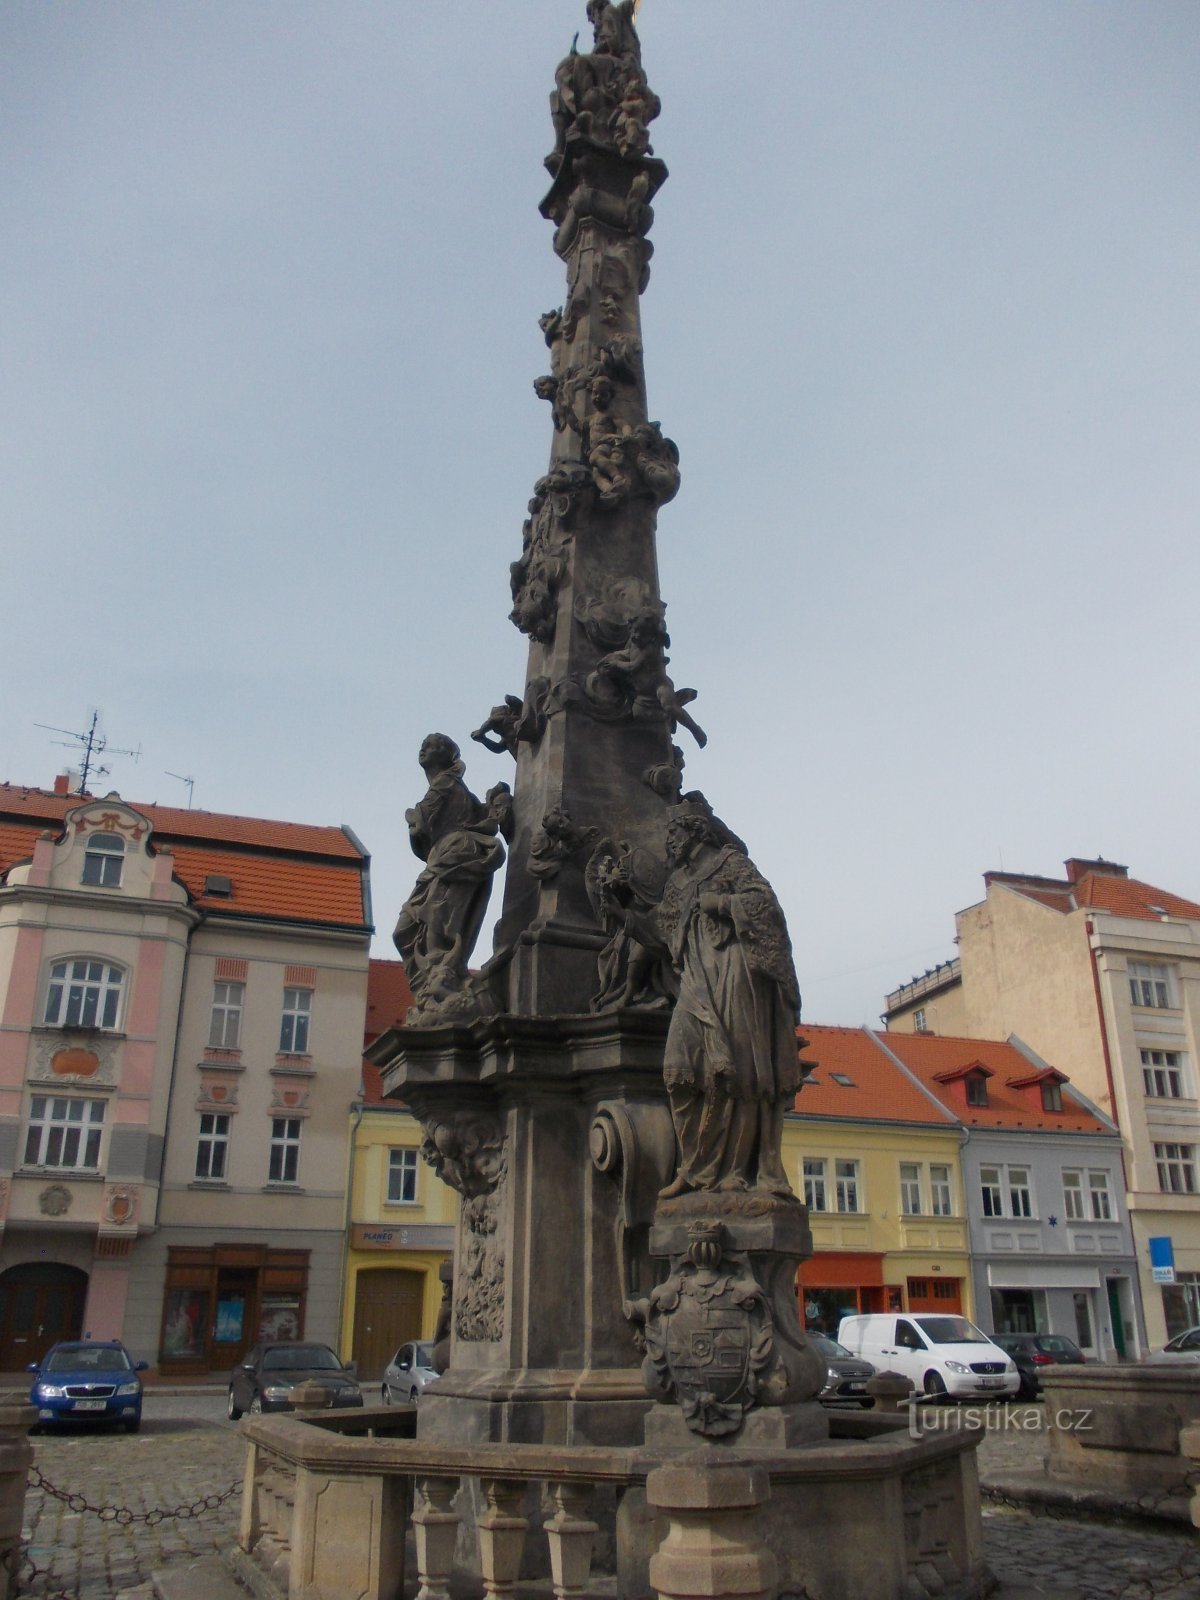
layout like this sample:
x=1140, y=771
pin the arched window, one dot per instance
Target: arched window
x=84, y=994
x=102, y=857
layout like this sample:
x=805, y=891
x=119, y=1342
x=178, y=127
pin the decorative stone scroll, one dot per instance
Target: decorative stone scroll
x=459, y=839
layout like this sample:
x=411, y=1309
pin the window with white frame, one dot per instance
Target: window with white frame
x=1162, y=1074
x=225, y=1026
x=1100, y=1195
x=940, y=1192
x=1020, y=1196
x=910, y=1189
x=83, y=994
x=814, y=1184
x=1176, y=1168
x=212, y=1147
x=920, y=1024
x=1073, y=1201
x=103, y=856
x=64, y=1133
x=402, y=1177
x=991, y=1192
x=1087, y=1195
x=845, y=1175
x=1051, y=1095
x=285, y=1150
x=293, y=1029
x=1149, y=984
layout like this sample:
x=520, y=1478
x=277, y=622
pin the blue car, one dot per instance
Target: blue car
x=88, y=1381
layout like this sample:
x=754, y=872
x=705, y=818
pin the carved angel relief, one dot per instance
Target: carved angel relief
x=466, y=1149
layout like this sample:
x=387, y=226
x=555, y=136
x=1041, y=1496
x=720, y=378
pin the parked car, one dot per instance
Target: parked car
x=1184, y=1346
x=1032, y=1351
x=942, y=1354
x=262, y=1379
x=408, y=1373
x=846, y=1379
x=88, y=1380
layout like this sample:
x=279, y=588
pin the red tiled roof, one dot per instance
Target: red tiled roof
x=932, y=1057
x=878, y=1091
x=388, y=998
x=283, y=870
x=1127, y=897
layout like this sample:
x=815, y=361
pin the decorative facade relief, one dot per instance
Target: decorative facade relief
x=60, y=1057
x=55, y=1200
x=466, y=1149
x=120, y=1204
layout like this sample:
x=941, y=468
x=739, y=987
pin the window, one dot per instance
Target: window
x=940, y=1192
x=285, y=1149
x=1102, y=1209
x=1162, y=1074
x=977, y=1091
x=1073, y=1207
x=993, y=1199
x=225, y=1029
x=1149, y=984
x=402, y=1177
x=1176, y=1168
x=293, y=1030
x=845, y=1175
x=103, y=855
x=1051, y=1095
x=920, y=1025
x=910, y=1189
x=64, y=1133
x=213, y=1145
x=83, y=994
x=1019, y=1198
x=814, y=1184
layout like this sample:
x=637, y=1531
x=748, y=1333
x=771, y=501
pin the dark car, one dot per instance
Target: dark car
x=88, y=1380
x=1032, y=1352
x=408, y=1373
x=846, y=1380
x=262, y=1379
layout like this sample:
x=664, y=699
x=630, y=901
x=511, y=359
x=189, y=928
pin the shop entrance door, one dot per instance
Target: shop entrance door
x=40, y=1304
x=387, y=1314
x=235, y=1320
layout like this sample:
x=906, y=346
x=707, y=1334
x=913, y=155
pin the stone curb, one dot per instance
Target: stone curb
x=1086, y=1504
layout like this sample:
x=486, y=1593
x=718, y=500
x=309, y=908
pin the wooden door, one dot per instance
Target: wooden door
x=387, y=1313
x=935, y=1294
x=40, y=1304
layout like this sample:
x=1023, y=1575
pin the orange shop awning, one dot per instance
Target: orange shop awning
x=834, y=1269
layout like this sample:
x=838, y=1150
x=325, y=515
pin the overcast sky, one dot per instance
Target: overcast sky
x=922, y=321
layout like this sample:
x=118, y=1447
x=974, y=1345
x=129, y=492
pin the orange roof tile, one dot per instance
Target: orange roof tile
x=931, y=1058
x=1127, y=897
x=878, y=1090
x=280, y=870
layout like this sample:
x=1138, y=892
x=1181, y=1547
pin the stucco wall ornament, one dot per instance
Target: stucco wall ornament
x=59, y=1055
x=466, y=1149
x=459, y=839
x=55, y=1200
x=121, y=1204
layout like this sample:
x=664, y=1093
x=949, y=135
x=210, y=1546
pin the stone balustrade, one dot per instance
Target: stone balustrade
x=330, y=1500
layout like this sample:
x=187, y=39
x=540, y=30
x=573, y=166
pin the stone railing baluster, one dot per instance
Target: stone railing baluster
x=436, y=1523
x=570, y=1535
x=502, y=1532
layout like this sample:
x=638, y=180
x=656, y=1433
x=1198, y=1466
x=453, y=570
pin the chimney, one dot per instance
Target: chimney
x=1078, y=867
x=62, y=783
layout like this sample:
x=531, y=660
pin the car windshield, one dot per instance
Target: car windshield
x=830, y=1347
x=951, y=1330
x=1053, y=1344
x=423, y=1355
x=297, y=1357
x=87, y=1358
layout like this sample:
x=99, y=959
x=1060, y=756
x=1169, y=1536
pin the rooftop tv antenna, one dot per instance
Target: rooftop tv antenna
x=191, y=784
x=94, y=743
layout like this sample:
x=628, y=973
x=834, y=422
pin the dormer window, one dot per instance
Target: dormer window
x=1051, y=1095
x=977, y=1089
x=83, y=994
x=103, y=855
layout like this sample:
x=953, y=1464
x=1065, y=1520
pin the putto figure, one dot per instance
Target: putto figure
x=731, y=1063
x=458, y=838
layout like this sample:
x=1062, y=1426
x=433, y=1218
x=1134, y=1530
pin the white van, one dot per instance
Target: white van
x=941, y=1354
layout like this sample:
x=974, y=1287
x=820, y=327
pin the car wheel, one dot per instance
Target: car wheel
x=385, y=1394
x=934, y=1385
x=132, y=1425
x=256, y=1406
x=232, y=1410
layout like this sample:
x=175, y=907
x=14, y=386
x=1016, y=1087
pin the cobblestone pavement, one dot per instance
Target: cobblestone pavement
x=172, y=1463
x=179, y=1458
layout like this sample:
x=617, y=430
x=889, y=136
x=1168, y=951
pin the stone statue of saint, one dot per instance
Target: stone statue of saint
x=731, y=1061
x=459, y=839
